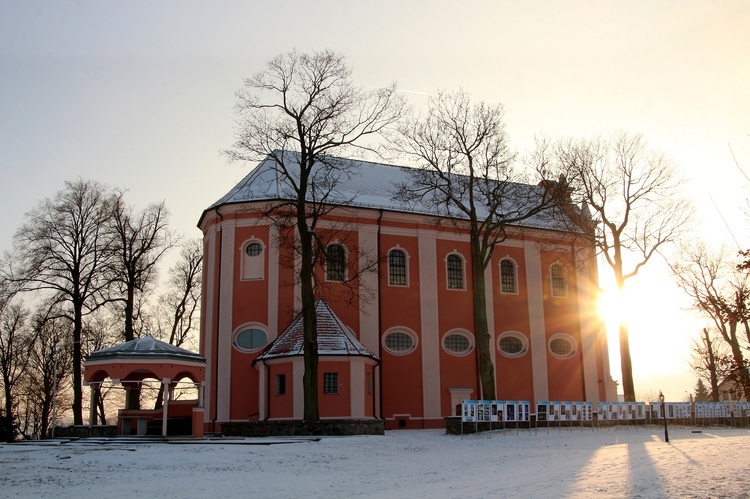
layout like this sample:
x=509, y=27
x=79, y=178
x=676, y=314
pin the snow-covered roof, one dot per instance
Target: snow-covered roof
x=334, y=338
x=145, y=348
x=359, y=183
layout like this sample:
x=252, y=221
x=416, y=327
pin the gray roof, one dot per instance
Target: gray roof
x=334, y=338
x=361, y=184
x=145, y=348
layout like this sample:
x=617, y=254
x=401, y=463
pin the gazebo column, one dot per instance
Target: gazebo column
x=167, y=394
x=94, y=387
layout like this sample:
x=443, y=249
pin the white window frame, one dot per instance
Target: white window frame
x=514, y=334
x=463, y=271
x=245, y=327
x=346, y=261
x=406, y=266
x=515, y=275
x=569, y=339
x=565, y=280
x=253, y=268
x=400, y=329
x=460, y=332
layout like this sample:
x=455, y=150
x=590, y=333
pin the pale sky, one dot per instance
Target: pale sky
x=139, y=95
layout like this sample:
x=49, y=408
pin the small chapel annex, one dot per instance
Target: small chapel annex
x=396, y=343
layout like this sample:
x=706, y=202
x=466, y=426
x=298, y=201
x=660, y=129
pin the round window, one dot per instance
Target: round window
x=457, y=344
x=253, y=249
x=250, y=340
x=512, y=344
x=562, y=346
x=398, y=342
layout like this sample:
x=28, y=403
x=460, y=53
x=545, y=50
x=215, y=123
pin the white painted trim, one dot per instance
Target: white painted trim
x=590, y=325
x=515, y=275
x=369, y=326
x=407, y=257
x=273, y=282
x=224, y=367
x=357, y=388
x=429, y=313
x=209, y=288
x=537, y=331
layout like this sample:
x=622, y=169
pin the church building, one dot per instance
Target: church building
x=394, y=307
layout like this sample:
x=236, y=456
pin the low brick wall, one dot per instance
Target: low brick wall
x=85, y=431
x=302, y=428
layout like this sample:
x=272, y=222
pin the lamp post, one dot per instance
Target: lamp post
x=664, y=416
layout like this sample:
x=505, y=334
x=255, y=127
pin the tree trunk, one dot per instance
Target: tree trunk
x=486, y=371
x=77, y=385
x=309, y=321
x=626, y=364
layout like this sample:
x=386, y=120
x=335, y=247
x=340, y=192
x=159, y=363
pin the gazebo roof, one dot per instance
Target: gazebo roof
x=145, y=348
x=334, y=338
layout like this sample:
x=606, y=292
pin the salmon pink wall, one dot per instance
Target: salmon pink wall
x=335, y=405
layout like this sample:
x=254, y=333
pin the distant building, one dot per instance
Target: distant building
x=397, y=343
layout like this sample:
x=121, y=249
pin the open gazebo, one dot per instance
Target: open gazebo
x=133, y=361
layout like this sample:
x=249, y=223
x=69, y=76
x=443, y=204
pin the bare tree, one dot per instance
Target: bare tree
x=468, y=172
x=179, y=305
x=721, y=292
x=313, y=111
x=15, y=341
x=140, y=240
x=633, y=193
x=48, y=357
x=711, y=361
x=64, y=248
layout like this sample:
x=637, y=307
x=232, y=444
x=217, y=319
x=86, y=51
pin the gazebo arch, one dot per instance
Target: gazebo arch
x=131, y=362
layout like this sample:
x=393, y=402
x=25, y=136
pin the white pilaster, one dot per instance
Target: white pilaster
x=591, y=326
x=537, y=331
x=430, y=341
x=209, y=287
x=224, y=366
x=368, y=309
x=357, y=387
x=273, y=282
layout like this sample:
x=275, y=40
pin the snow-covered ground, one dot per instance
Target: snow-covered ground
x=408, y=463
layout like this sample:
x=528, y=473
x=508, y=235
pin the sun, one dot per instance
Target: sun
x=615, y=306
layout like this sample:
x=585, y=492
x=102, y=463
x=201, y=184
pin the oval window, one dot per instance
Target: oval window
x=562, y=346
x=398, y=343
x=512, y=344
x=250, y=340
x=457, y=344
x=254, y=249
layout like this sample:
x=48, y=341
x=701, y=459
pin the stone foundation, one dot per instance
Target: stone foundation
x=303, y=428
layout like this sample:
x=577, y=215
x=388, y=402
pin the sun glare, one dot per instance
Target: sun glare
x=615, y=306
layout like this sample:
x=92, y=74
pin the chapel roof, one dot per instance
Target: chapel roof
x=145, y=348
x=362, y=184
x=334, y=338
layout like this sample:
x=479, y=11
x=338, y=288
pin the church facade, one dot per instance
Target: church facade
x=395, y=313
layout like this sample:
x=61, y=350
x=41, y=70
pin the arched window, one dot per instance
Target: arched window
x=335, y=263
x=508, y=282
x=253, y=260
x=559, y=280
x=397, y=268
x=455, y=266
